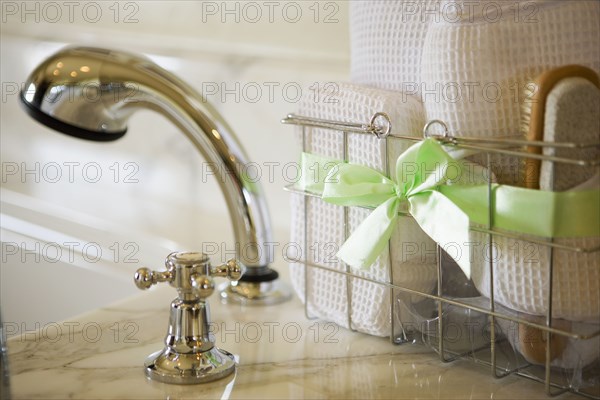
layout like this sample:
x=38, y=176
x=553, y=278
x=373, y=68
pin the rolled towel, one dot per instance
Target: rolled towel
x=476, y=66
x=387, y=39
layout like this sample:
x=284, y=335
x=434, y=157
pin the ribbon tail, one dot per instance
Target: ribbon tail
x=370, y=238
x=313, y=172
x=445, y=223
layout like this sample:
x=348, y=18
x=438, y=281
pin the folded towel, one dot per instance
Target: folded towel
x=412, y=251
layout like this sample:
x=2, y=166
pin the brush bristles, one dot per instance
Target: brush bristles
x=526, y=101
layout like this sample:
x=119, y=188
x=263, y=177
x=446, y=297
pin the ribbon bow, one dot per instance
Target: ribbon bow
x=444, y=196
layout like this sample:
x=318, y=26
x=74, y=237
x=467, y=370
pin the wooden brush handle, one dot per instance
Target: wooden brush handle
x=532, y=341
x=544, y=84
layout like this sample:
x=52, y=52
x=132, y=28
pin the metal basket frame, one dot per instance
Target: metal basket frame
x=380, y=126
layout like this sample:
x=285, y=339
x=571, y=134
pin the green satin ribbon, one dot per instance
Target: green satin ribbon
x=445, y=196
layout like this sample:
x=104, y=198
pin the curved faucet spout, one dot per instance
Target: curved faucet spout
x=90, y=93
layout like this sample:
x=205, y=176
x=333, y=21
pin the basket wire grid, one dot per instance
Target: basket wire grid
x=380, y=126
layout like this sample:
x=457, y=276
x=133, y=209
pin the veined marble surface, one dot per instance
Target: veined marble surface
x=281, y=354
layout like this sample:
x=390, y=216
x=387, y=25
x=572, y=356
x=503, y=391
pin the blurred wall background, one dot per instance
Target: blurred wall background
x=252, y=60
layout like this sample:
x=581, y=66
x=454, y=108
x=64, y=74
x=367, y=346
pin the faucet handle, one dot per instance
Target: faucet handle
x=190, y=354
x=204, y=286
x=188, y=271
x=144, y=277
x=231, y=270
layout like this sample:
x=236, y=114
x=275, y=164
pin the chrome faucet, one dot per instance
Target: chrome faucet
x=190, y=355
x=90, y=93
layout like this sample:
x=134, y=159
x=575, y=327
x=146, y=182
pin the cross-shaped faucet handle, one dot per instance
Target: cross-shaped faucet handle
x=190, y=273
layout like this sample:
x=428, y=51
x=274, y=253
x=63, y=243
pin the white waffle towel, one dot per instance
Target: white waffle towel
x=412, y=251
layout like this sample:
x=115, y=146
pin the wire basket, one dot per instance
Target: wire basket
x=454, y=319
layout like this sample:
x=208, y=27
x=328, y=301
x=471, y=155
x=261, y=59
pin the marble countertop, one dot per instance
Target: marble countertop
x=281, y=354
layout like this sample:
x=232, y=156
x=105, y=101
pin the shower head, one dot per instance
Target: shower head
x=77, y=92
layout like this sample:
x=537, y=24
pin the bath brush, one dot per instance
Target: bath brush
x=533, y=111
x=521, y=281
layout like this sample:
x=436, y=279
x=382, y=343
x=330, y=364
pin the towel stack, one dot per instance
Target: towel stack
x=468, y=64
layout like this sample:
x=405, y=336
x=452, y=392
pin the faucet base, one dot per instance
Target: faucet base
x=189, y=355
x=189, y=368
x=255, y=293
